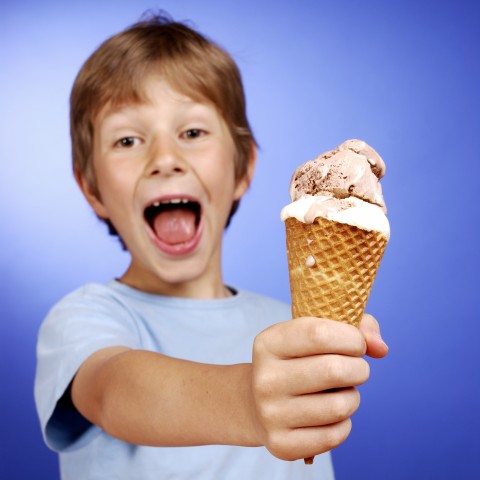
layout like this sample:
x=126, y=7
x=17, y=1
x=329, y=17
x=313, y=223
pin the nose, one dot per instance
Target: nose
x=165, y=159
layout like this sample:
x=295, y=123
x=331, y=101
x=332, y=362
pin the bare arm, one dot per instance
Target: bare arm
x=296, y=398
x=147, y=398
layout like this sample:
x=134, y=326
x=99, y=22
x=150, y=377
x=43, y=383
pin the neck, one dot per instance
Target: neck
x=193, y=289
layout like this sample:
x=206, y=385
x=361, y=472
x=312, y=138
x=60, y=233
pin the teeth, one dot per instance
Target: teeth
x=172, y=201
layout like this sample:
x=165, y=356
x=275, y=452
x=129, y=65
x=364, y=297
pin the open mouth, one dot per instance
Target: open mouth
x=174, y=221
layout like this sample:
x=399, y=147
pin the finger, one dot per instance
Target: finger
x=376, y=347
x=320, y=409
x=311, y=336
x=314, y=374
x=308, y=442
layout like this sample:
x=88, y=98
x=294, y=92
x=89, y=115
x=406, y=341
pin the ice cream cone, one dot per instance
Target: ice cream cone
x=332, y=267
x=337, y=232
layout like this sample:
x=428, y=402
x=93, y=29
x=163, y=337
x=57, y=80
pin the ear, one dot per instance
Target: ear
x=92, y=197
x=244, y=182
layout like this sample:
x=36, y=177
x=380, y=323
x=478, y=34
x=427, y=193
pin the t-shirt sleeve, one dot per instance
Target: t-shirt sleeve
x=79, y=325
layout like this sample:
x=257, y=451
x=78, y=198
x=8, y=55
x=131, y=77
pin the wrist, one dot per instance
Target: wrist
x=252, y=432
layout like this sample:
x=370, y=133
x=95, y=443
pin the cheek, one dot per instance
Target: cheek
x=115, y=191
x=225, y=181
x=115, y=175
x=217, y=172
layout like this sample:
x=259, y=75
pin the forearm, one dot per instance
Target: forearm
x=150, y=399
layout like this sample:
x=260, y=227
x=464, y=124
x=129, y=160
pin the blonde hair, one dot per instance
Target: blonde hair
x=195, y=66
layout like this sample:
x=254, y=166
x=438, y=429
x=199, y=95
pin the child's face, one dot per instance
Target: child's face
x=165, y=173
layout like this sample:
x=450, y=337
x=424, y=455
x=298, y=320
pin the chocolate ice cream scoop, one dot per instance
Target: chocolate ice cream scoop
x=350, y=170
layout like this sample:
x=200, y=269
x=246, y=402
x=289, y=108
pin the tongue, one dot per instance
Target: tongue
x=175, y=226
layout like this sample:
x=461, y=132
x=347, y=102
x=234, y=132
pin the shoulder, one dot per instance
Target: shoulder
x=90, y=300
x=91, y=309
x=84, y=295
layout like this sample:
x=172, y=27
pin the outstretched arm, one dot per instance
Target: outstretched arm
x=147, y=398
x=296, y=397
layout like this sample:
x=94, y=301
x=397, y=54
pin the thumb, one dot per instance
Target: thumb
x=370, y=328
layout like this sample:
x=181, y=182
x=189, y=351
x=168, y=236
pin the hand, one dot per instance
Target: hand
x=303, y=379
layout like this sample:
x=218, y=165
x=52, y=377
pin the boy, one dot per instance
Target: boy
x=132, y=374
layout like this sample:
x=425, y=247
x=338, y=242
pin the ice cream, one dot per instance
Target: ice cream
x=337, y=231
x=341, y=185
x=352, y=169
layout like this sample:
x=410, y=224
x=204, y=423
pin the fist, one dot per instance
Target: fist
x=304, y=374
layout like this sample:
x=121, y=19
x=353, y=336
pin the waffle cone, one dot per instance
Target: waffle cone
x=346, y=258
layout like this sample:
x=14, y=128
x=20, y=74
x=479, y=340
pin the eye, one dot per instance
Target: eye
x=127, y=142
x=193, y=133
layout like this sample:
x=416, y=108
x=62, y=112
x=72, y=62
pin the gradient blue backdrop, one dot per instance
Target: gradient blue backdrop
x=404, y=76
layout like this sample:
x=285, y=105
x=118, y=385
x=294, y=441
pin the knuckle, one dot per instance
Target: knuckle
x=345, y=431
x=333, y=369
x=341, y=408
x=265, y=383
x=337, y=434
x=317, y=331
x=279, y=446
x=368, y=318
x=268, y=412
x=365, y=370
x=355, y=399
x=359, y=341
x=276, y=442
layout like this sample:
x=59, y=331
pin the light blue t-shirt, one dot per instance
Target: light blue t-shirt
x=209, y=331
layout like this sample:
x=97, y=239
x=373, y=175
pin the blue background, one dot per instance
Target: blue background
x=404, y=76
